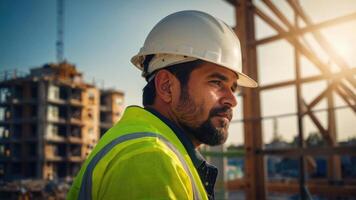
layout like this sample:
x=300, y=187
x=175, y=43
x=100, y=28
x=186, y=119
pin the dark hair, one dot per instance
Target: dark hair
x=181, y=71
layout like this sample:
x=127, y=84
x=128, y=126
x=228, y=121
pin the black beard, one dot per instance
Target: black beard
x=205, y=133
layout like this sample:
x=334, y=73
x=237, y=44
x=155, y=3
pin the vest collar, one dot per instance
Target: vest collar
x=195, y=155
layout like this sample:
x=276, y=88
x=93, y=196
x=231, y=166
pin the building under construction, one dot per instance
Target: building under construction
x=50, y=120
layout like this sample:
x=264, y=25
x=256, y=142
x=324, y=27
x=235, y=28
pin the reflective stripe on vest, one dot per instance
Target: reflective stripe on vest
x=86, y=186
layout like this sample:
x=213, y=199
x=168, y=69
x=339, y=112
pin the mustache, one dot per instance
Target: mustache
x=221, y=111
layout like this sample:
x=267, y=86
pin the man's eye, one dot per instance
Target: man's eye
x=216, y=82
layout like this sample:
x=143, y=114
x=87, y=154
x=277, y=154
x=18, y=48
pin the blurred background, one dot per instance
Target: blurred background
x=66, y=77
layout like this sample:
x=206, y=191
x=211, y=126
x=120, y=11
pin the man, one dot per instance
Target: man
x=192, y=63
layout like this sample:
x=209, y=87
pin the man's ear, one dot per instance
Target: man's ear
x=164, y=81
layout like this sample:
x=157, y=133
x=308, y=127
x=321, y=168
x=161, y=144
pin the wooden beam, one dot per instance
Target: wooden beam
x=301, y=141
x=237, y=184
x=286, y=22
x=279, y=14
x=323, y=42
x=343, y=95
x=254, y=164
x=334, y=162
x=320, y=97
x=307, y=53
x=310, y=151
x=227, y=154
x=300, y=31
x=325, y=189
x=317, y=123
x=350, y=94
x=316, y=61
x=333, y=76
x=315, y=186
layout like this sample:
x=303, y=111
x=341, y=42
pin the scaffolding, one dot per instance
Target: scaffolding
x=341, y=83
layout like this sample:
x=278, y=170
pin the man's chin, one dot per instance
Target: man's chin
x=220, y=122
x=217, y=137
x=213, y=132
x=223, y=134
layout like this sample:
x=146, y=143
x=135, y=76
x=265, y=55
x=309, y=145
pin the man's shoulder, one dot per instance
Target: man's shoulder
x=146, y=147
x=147, y=155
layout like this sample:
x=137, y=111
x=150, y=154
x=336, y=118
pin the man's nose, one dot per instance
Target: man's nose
x=229, y=99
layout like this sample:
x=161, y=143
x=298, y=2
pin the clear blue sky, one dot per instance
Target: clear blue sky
x=101, y=36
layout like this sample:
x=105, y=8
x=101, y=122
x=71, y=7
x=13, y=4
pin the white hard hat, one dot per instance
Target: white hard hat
x=190, y=35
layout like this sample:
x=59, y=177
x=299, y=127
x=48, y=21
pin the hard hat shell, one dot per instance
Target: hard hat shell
x=193, y=34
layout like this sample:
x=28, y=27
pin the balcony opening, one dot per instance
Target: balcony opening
x=17, y=133
x=60, y=150
x=34, y=91
x=2, y=170
x=16, y=152
x=75, y=132
x=63, y=113
x=5, y=150
x=32, y=150
x=62, y=131
x=33, y=111
x=18, y=92
x=4, y=132
x=33, y=132
x=5, y=94
x=76, y=94
x=63, y=93
x=76, y=113
x=16, y=170
x=61, y=170
x=74, y=169
x=18, y=111
x=30, y=170
x=75, y=150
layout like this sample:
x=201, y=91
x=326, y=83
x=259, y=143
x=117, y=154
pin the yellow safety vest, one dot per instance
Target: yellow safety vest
x=139, y=158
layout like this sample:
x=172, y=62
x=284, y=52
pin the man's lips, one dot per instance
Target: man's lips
x=224, y=112
x=226, y=115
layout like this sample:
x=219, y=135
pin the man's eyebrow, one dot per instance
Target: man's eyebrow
x=219, y=76
x=223, y=78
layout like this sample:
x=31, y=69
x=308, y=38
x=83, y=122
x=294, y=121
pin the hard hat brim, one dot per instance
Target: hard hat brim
x=246, y=81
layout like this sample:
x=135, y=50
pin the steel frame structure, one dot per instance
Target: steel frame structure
x=342, y=83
